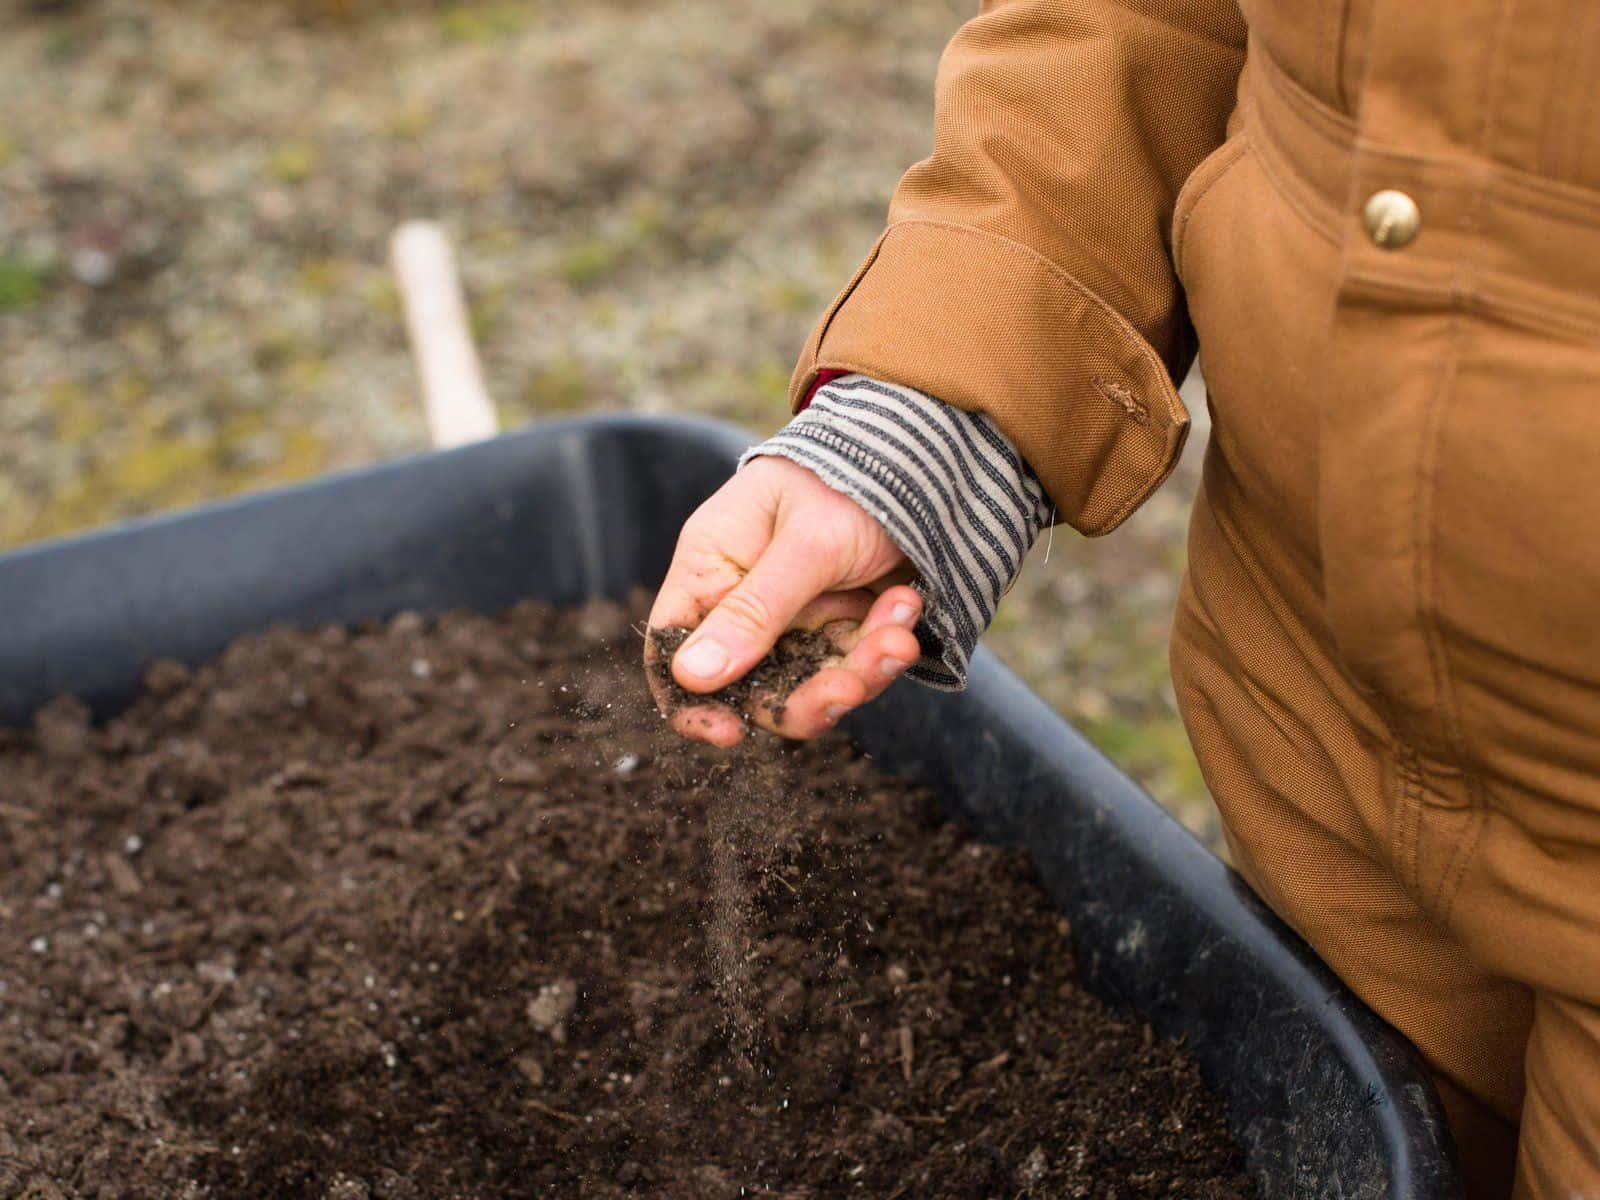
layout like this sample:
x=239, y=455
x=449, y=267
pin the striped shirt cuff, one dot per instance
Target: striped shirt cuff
x=946, y=484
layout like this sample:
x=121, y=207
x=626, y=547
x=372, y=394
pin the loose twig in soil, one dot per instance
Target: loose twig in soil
x=541, y=1106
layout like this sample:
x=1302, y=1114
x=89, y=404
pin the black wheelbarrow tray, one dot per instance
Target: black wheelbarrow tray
x=1326, y=1099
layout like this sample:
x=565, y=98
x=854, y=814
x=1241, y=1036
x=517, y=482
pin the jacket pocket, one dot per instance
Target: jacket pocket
x=1201, y=180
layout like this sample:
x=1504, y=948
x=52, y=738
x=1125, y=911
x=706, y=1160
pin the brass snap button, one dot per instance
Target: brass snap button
x=1391, y=218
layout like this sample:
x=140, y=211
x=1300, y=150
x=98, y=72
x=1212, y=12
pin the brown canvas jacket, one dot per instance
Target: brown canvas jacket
x=1028, y=271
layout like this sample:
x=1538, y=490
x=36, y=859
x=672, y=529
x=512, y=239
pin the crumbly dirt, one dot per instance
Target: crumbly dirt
x=441, y=908
x=796, y=656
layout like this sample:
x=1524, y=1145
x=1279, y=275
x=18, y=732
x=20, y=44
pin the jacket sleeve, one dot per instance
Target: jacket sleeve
x=1026, y=270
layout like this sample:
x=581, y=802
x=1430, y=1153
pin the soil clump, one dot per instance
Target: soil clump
x=794, y=658
x=427, y=909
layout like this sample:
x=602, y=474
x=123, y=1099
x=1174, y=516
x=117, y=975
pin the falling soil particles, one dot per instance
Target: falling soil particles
x=441, y=908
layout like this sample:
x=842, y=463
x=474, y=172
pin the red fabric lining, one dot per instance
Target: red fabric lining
x=824, y=377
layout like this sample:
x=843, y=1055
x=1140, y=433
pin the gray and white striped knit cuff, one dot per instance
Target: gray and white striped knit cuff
x=946, y=484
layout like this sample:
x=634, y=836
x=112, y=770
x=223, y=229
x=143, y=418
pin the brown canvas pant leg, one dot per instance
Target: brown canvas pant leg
x=1474, y=942
x=1310, y=805
x=1386, y=649
x=1561, y=1119
x=1310, y=809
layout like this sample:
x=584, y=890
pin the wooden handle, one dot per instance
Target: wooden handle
x=457, y=404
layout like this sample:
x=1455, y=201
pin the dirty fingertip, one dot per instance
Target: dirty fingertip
x=710, y=725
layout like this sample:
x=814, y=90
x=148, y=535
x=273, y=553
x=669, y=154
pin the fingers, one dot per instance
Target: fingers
x=876, y=654
x=876, y=648
x=847, y=608
x=714, y=723
x=749, y=618
x=776, y=548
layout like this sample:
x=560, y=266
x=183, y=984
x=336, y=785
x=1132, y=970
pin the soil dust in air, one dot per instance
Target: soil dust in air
x=749, y=821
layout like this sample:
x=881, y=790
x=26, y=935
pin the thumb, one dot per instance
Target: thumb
x=750, y=617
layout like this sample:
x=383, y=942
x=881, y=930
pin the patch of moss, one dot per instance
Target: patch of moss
x=135, y=465
x=293, y=162
x=383, y=295
x=306, y=372
x=484, y=22
x=588, y=261
x=647, y=217
x=561, y=386
x=409, y=121
x=322, y=276
x=789, y=298
x=8, y=148
x=483, y=178
x=22, y=284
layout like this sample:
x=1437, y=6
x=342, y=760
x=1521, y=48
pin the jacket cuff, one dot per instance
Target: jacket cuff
x=955, y=496
x=988, y=325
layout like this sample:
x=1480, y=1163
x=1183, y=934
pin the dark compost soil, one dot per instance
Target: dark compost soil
x=793, y=659
x=441, y=909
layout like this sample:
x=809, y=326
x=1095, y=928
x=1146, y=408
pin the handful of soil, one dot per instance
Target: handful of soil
x=797, y=655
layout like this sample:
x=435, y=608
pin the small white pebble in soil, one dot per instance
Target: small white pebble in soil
x=421, y=668
x=132, y=844
x=897, y=974
x=91, y=931
x=40, y=945
x=53, y=890
x=549, y=1009
x=1031, y=1172
x=626, y=765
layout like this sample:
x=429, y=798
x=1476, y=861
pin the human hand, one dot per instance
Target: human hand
x=776, y=548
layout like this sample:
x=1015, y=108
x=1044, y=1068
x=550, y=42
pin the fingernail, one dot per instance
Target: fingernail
x=890, y=667
x=704, y=659
x=833, y=712
x=905, y=615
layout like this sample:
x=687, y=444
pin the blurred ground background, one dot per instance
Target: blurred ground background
x=650, y=202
